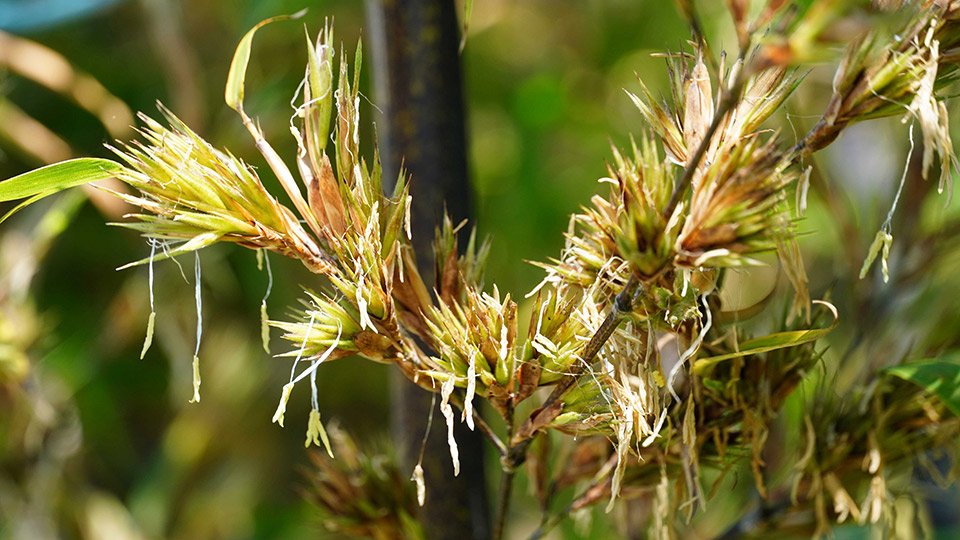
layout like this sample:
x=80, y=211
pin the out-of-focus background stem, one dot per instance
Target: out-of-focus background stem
x=419, y=93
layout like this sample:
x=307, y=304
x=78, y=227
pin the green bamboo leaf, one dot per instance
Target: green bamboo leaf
x=233, y=94
x=938, y=377
x=771, y=342
x=23, y=205
x=50, y=179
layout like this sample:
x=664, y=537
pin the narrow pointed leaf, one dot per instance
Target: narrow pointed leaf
x=57, y=177
x=233, y=93
x=770, y=342
x=22, y=205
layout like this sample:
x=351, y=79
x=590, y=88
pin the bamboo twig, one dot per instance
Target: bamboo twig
x=481, y=425
x=622, y=305
x=506, y=481
x=730, y=98
x=503, y=504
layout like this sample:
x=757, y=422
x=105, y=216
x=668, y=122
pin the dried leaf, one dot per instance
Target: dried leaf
x=449, y=275
x=698, y=109
x=538, y=420
x=528, y=379
x=323, y=195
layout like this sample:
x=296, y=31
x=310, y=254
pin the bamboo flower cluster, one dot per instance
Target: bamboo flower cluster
x=623, y=330
x=198, y=194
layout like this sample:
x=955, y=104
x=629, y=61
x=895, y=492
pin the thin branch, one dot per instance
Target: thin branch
x=481, y=425
x=503, y=504
x=688, y=10
x=487, y=431
x=730, y=98
x=622, y=305
x=506, y=481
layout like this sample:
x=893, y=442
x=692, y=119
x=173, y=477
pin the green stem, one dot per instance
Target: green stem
x=506, y=482
x=506, y=491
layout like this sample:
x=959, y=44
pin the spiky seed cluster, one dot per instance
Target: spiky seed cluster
x=332, y=322
x=644, y=183
x=473, y=333
x=557, y=335
x=362, y=494
x=736, y=208
x=356, y=236
x=681, y=124
x=876, y=80
x=361, y=228
x=475, y=340
x=200, y=195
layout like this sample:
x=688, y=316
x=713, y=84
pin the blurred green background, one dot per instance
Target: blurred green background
x=95, y=443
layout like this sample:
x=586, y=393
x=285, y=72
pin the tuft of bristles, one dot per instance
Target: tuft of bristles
x=198, y=195
x=361, y=494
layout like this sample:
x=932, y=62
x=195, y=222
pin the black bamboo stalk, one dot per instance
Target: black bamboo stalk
x=418, y=88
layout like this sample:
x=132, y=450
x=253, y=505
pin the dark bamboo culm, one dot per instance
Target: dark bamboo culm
x=418, y=88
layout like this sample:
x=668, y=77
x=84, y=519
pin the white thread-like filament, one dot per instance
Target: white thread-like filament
x=196, y=350
x=691, y=349
x=151, y=320
x=264, y=325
